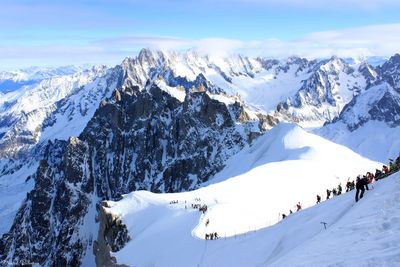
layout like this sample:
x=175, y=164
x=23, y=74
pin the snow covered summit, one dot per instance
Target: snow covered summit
x=258, y=184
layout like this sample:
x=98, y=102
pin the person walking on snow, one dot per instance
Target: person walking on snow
x=328, y=193
x=385, y=169
x=298, y=206
x=361, y=184
x=318, y=199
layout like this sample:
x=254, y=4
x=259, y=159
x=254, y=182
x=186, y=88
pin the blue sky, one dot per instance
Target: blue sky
x=44, y=32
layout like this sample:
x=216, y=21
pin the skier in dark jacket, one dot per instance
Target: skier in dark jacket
x=378, y=174
x=361, y=185
x=365, y=180
x=318, y=199
x=352, y=185
x=348, y=186
x=339, y=190
x=334, y=192
x=328, y=193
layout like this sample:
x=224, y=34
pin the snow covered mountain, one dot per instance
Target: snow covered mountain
x=322, y=96
x=14, y=80
x=155, y=138
x=56, y=108
x=26, y=113
x=168, y=122
x=284, y=166
x=371, y=120
x=307, y=92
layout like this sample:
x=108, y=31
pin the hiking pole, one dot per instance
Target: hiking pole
x=324, y=223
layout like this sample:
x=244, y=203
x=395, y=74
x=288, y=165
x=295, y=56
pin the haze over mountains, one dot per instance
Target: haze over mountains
x=171, y=122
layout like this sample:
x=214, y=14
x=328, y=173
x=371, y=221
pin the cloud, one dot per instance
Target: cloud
x=374, y=40
x=381, y=40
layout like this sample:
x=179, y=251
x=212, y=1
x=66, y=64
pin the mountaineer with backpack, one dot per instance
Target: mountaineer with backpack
x=361, y=185
x=328, y=193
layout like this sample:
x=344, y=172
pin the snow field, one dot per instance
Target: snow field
x=284, y=166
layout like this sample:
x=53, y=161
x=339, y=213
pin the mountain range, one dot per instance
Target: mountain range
x=170, y=122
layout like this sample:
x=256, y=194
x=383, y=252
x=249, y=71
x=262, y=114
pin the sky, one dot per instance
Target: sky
x=59, y=32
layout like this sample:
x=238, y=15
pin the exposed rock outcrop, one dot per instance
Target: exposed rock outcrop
x=112, y=236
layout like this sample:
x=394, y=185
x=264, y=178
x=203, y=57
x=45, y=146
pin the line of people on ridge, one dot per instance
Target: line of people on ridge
x=361, y=183
x=203, y=208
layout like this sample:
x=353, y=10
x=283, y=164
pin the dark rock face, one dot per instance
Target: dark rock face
x=149, y=140
x=390, y=72
x=137, y=139
x=112, y=236
x=44, y=230
x=200, y=83
x=369, y=73
x=319, y=87
x=387, y=109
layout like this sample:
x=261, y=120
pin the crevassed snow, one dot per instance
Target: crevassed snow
x=282, y=167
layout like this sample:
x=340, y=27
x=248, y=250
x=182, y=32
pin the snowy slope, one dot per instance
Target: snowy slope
x=369, y=124
x=282, y=167
x=362, y=234
x=374, y=140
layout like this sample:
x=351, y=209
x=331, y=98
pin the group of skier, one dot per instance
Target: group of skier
x=203, y=208
x=335, y=192
x=212, y=236
x=361, y=183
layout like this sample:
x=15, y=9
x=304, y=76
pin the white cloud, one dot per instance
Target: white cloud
x=374, y=40
x=381, y=40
